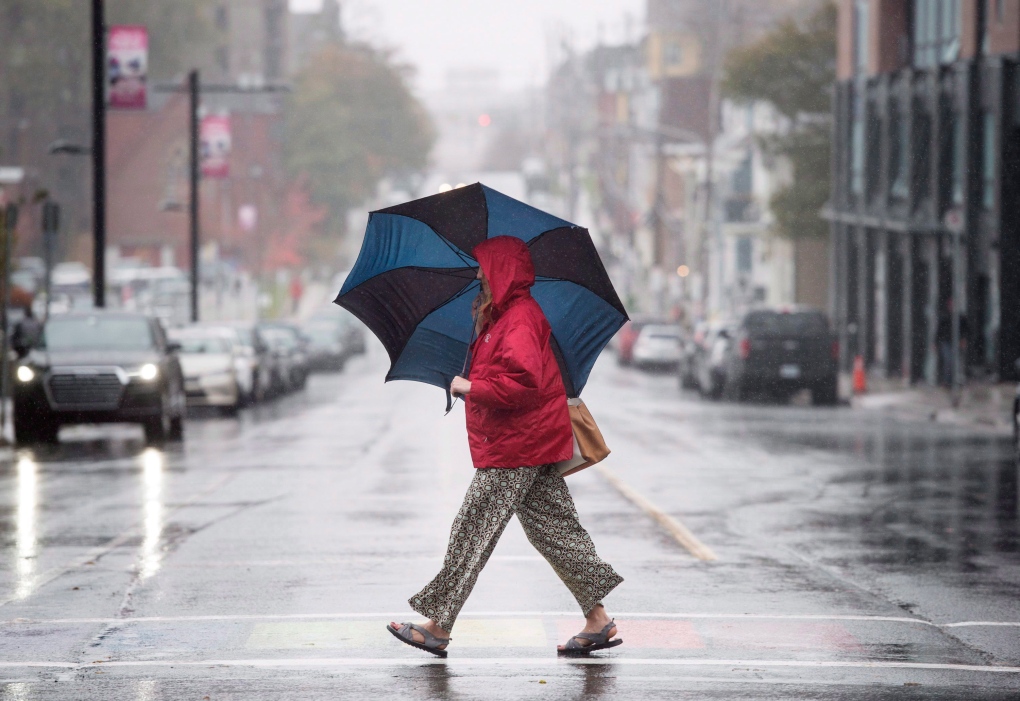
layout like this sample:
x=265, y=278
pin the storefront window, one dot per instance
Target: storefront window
x=900, y=153
x=990, y=161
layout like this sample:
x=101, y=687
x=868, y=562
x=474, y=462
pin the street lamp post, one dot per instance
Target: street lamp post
x=193, y=175
x=195, y=89
x=98, y=155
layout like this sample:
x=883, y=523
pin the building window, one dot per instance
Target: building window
x=745, y=249
x=223, y=58
x=899, y=155
x=989, y=162
x=857, y=147
x=861, y=36
x=936, y=32
x=959, y=161
x=222, y=18
x=921, y=148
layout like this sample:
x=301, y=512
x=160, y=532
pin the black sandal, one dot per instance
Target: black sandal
x=431, y=644
x=597, y=641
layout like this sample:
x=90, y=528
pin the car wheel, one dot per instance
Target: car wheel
x=32, y=429
x=156, y=429
x=825, y=393
x=176, y=432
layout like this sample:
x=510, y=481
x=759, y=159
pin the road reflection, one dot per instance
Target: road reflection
x=150, y=557
x=26, y=537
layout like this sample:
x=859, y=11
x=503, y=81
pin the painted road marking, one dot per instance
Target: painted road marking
x=501, y=614
x=645, y=634
x=675, y=528
x=496, y=633
x=519, y=662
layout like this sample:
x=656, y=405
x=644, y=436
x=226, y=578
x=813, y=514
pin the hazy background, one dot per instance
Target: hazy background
x=521, y=39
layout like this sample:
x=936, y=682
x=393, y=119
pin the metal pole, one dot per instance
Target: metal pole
x=51, y=225
x=9, y=222
x=98, y=155
x=193, y=94
x=957, y=369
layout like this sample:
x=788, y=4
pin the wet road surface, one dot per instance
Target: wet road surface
x=769, y=552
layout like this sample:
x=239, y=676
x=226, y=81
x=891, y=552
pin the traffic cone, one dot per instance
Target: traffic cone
x=860, y=378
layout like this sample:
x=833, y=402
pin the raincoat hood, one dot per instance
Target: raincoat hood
x=506, y=262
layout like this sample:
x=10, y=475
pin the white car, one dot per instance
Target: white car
x=209, y=359
x=657, y=345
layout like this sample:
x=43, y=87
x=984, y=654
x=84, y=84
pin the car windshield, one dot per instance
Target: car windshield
x=279, y=337
x=781, y=323
x=321, y=334
x=204, y=344
x=98, y=333
x=668, y=333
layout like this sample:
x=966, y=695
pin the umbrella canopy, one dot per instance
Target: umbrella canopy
x=414, y=282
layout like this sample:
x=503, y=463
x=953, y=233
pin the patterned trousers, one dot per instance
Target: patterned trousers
x=542, y=502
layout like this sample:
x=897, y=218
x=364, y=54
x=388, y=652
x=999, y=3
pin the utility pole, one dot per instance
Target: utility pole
x=98, y=155
x=193, y=177
x=195, y=89
x=10, y=221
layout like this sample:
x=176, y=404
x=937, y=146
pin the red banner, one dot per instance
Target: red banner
x=127, y=66
x=214, y=138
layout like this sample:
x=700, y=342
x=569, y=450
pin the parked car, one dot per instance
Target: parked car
x=209, y=359
x=781, y=351
x=99, y=367
x=657, y=346
x=710, y=360
x=326, y=351
x=253, y=360
x=627, y=336
x=289, y=347
x=348, y=326
x=686, y=367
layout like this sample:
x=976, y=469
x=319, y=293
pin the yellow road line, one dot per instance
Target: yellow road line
x=676, y=529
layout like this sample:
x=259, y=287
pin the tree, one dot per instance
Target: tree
x=45, y=89
x=793, y=69
x=351, y=121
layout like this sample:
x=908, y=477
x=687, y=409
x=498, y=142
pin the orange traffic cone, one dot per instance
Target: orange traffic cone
x=860, y=378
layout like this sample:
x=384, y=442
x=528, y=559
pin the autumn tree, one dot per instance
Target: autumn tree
x=793, y=69
x=45, y=80
x=352, y=120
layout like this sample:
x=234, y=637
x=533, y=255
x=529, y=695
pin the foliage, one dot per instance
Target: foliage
x=793, y=68
x=351, y=121
x=46, y=87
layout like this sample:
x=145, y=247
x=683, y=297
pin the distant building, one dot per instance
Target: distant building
x=252, y=41
x=925, y=207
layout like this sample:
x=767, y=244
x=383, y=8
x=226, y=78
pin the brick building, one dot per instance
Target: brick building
x=924, y=209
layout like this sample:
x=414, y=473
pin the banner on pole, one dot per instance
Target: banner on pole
x=214, y=138
x=127, y=66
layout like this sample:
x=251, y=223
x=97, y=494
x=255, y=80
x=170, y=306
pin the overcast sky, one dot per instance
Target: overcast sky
x=515, y=37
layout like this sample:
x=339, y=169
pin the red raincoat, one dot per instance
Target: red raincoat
x=517, y=412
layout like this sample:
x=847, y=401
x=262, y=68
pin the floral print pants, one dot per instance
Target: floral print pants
x=542, y=502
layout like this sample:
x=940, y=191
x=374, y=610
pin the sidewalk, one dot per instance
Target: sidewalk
x=982, y=404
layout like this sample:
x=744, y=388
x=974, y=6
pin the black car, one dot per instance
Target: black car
x=99, y=367
x=778, y=352
x=326, y=352
x=290, y=346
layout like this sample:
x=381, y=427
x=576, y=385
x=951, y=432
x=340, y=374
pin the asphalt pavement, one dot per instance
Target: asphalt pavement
x=769, y=552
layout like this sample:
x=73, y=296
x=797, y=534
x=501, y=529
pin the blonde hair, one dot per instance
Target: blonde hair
x=481, y=308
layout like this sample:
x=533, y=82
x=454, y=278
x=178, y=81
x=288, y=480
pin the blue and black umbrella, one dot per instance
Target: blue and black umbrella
x=414, y=282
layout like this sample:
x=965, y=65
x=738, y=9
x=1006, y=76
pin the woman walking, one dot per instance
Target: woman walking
x=518, y=426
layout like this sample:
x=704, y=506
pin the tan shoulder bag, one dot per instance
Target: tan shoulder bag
x=589, y=445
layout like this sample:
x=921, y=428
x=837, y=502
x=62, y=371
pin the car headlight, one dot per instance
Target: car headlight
x=25, y=373
x=148, y=372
